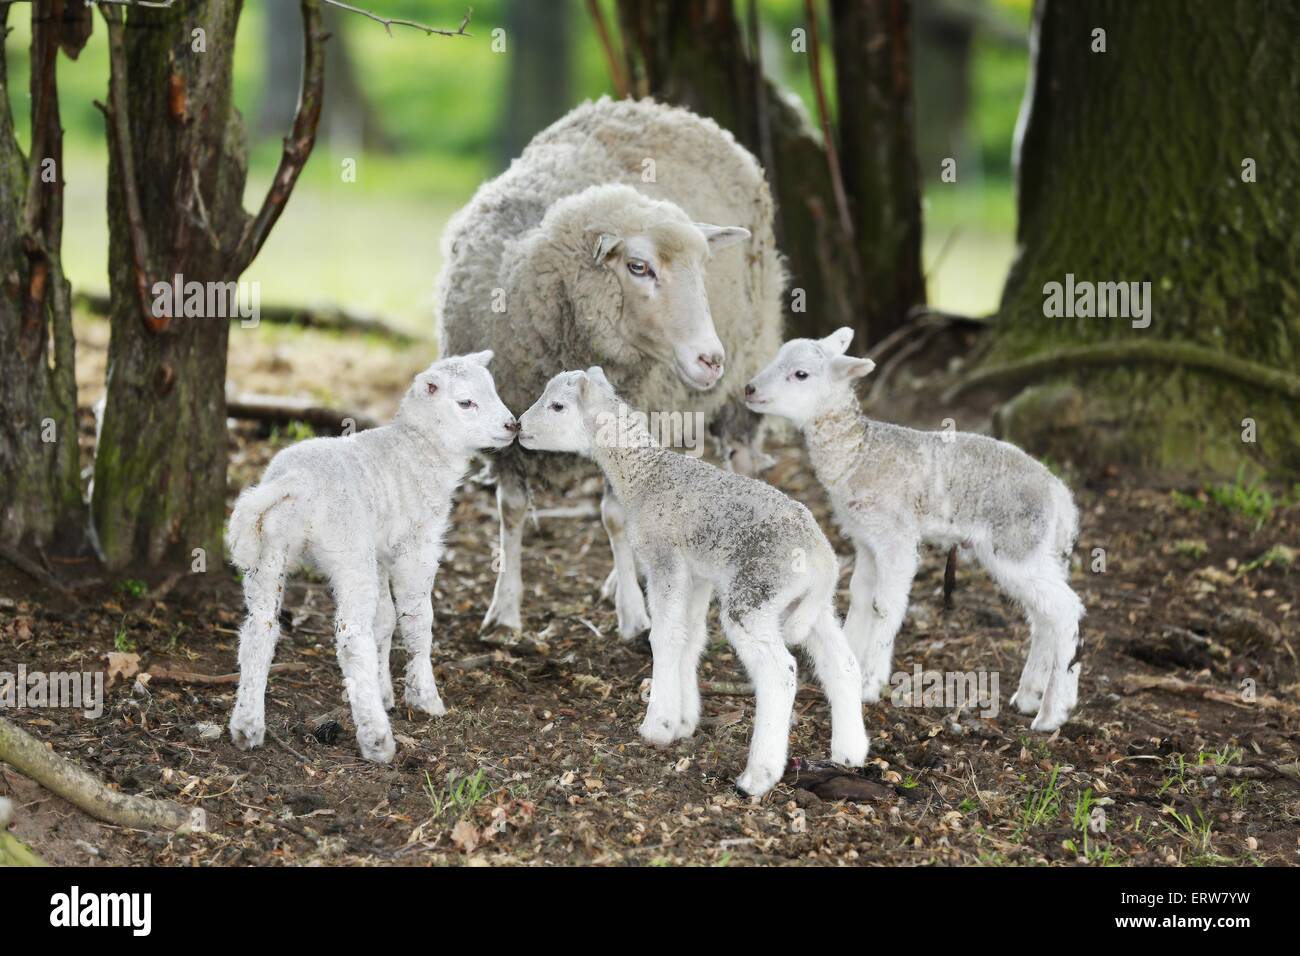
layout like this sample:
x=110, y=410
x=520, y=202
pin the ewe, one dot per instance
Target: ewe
x=694, y=528
x=368, y=510
x=893, y=488
x=594, y=248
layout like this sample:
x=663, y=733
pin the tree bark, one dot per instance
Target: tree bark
x=177, y=168
x=538, y=83
x=40, y=486
x=1130, y=169
x=873, y=81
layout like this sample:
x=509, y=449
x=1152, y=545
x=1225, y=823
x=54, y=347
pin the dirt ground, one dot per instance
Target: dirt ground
x=1183, y=750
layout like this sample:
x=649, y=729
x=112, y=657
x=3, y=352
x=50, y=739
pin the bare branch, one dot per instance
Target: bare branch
x=390, y=22
x=616, y=74
x=297, y=145
x=119, y=136
x=832, y=154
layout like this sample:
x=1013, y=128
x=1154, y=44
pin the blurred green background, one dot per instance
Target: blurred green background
x=439, y=107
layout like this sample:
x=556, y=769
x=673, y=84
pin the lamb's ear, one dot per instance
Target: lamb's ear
x=605, y=246
x=597, y=375
x=719, y=237
x=837, y=343
x=845, y=367
x=425, y=384
x=481, y=358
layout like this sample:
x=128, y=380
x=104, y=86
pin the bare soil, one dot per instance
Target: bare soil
x=1184, y=744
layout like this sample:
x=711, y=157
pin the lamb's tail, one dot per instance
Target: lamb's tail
x=1066, y=529
x=803, y=614
x=247, y=532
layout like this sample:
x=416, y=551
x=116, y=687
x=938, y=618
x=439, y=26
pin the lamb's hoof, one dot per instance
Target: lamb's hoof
x=386, y=697
x=756, y=781
x=379, y=749
x=609, y=589
x=247, y=734
x=686, y=728
x=425, y=701
x=633, y=623
x=852, y=754
x=501, y=614
x=1048, y=720
x=1027, y=701
x=659, y=731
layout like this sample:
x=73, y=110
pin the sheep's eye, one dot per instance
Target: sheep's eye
x=639, y=267
x=556, y=407
x=465, y=403
x=801, y=375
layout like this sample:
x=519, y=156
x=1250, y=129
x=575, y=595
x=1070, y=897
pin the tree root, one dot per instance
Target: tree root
x=64, y=778
x=1116, y=354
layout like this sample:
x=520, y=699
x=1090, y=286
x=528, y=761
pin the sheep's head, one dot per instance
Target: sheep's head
x=456, y=399
x=806, y=376
x=570, y=414
x=640, y=290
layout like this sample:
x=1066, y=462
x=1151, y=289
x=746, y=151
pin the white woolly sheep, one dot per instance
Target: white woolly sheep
x=592, y=248
x=694, y=528
x=369, y=511
x=894, y=487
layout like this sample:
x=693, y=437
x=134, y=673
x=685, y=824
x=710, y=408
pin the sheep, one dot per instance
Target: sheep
x=892, y=488
x=695, y=528
x=595, y=247
x=369, y=511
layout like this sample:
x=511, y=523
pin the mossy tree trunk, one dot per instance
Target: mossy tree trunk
x=178, y=167
x=694, y=53
x=40, y=489
x=1173, y=157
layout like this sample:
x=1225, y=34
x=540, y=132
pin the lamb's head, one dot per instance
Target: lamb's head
x=574, y=410
x=806, y=377
x=456, y=400
x=643, y=284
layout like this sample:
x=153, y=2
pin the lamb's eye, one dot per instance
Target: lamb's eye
x=465, y=403
x=639, y=267
x=801, y=375
x=556, y=407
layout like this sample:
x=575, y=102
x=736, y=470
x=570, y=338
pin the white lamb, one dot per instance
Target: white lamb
x=894, y=487
x=695, y=527
x=595, y=247
x=369, y=511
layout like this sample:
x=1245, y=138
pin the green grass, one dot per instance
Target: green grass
x=1250, y=499
x=122, y=643
x=459, y=796
x=1041, y=805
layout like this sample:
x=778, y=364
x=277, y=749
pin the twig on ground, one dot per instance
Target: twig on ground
x=164, y=673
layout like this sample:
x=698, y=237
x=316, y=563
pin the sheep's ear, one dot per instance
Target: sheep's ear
x=597, y=375
x=844, y=367
x=481, y=358
x=605, y=246
x=719, y=237
x=837, y=343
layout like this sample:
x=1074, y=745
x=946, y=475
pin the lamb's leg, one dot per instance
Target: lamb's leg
x=1062, y=607
x=895, y=561
x=413, y=577
x=697, y=638
x=512, y=507
x=838, y=674
x=263, y=590
x=861, y=619
x=771, y=667
x=1028, y=697
x=669, y=597
x=628, y=600
x=385, y=619
x=355, y=580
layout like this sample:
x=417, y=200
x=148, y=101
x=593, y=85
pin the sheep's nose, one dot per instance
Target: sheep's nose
x=512, y=426
x=749, y=391
x=712, y=361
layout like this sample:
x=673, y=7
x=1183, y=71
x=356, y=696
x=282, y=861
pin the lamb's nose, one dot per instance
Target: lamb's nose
x=749, y=391
x=512, y=426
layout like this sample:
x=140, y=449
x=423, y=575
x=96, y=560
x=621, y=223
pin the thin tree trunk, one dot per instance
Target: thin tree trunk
x=538, y=83
x=1132, y=167
x=40, y=488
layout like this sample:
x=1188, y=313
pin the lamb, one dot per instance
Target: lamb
x=368, y=510
x=695, y=528
x=595, y=247
x=894, y=487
